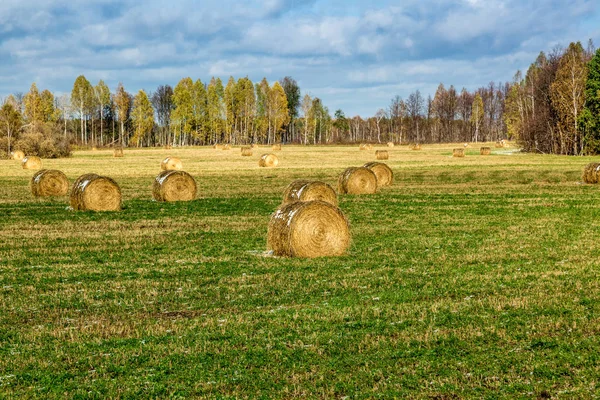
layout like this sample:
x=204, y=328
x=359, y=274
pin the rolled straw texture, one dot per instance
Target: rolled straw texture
x=303, y=190
x=92, y=192
x=174, y=186
x=49, y=183
x=171, y=164
x=308, y=229
x=384, y=174
x=359, y=180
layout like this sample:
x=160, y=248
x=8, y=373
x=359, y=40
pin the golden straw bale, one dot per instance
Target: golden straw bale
x=18, y=155
x=591, y=173
x=118, y=152
x=415, y=146
x=303, y=190
x=174, y=186
x=226, y=147
x=218, y=146
x=390, y=144
x=362, y=146
x=246, y=151
x=500, y=143
x=308, y=229
x=171, y=163
x=460, y=152
x=168, y=147
x=31, y=162
x=268, y=160
x=92, y=192
x=384, y=174
x=485, y=151
x=357, y=181
x=382, y=154
x=276, y=146
x=48, y=183
x=254, y=146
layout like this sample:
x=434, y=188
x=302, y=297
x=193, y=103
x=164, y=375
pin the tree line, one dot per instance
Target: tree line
x=554, y=108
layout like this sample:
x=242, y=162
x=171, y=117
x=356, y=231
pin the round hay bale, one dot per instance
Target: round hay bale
x=303, y=190
x=118, y=152
x=218, y=146
x=171, y=163
x=384, y=174
x=48, y=183
x=31, y=162
x=390, y=144
x=168, y=147
x=254, y=146
x=362, y=147
x=18, y=155
x=357, y=181
x=226, y=147
x=268, y=161
x=485, y=151
x=460, y=152
x=92, y=192
x=246, y=151
x=591, y=173
x=308, y=229
x=382, y=154
x=276, y=146
x=174, y=186
x=415, y=146
x=499, y=144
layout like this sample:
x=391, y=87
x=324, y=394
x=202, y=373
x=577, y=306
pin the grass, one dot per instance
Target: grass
x=469, y=278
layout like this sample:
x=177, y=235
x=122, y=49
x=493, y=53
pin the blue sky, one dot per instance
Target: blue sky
x=355, y=55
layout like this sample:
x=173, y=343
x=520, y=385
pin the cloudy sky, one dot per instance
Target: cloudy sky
x=355, y=55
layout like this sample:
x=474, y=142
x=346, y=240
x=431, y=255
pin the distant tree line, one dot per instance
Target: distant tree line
x=554, y=108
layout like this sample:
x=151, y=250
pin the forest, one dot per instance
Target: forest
x=553, y=108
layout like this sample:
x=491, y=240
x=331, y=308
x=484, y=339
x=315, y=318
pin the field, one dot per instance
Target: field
x=469, y=278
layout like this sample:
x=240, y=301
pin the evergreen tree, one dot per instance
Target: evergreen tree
x=590, y=117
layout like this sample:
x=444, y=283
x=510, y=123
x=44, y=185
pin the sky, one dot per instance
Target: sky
x=354, y=55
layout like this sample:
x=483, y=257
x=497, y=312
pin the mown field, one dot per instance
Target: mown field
x=469, y=278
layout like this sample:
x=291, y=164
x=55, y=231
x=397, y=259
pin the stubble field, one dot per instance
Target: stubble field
x=469, y=278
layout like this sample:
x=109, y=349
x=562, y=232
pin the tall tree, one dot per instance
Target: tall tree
x=568, y=96
x=477, y=114
x=10, y=123
x=590, y=117
x=292, y=93
x=102, y=95
x=81, y=98
x=183, y=117
x=162, y=100
x=33, y=105
x=142, y=117
x=123, y=104
x=278, y=110
x=414, y=106
x=306, y=112
x=215, y=93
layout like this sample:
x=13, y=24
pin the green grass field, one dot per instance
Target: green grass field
x=469, y=278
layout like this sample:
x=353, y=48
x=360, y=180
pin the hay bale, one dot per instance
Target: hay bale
x=168, y=147
x=18, y=155
x=591, y=173
x=254, y=146
x=246, y=151
x=171, y=163
x=485, y=151
x=308, y=229
x=276, y=146
x=118, y=152
x=357, y=181
x=382, y=154
x=174, y=186
x=268, y=161
x=31, y=162
x=226, y=147
x=390, y=144
x=218, y=146
x=303, y=190
x=383, y=173
x=415, y=146
x=92, y=192
x=94, y=148
x=48, y=183
x=460, y=152
x=500, y=144
x=365, y=146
